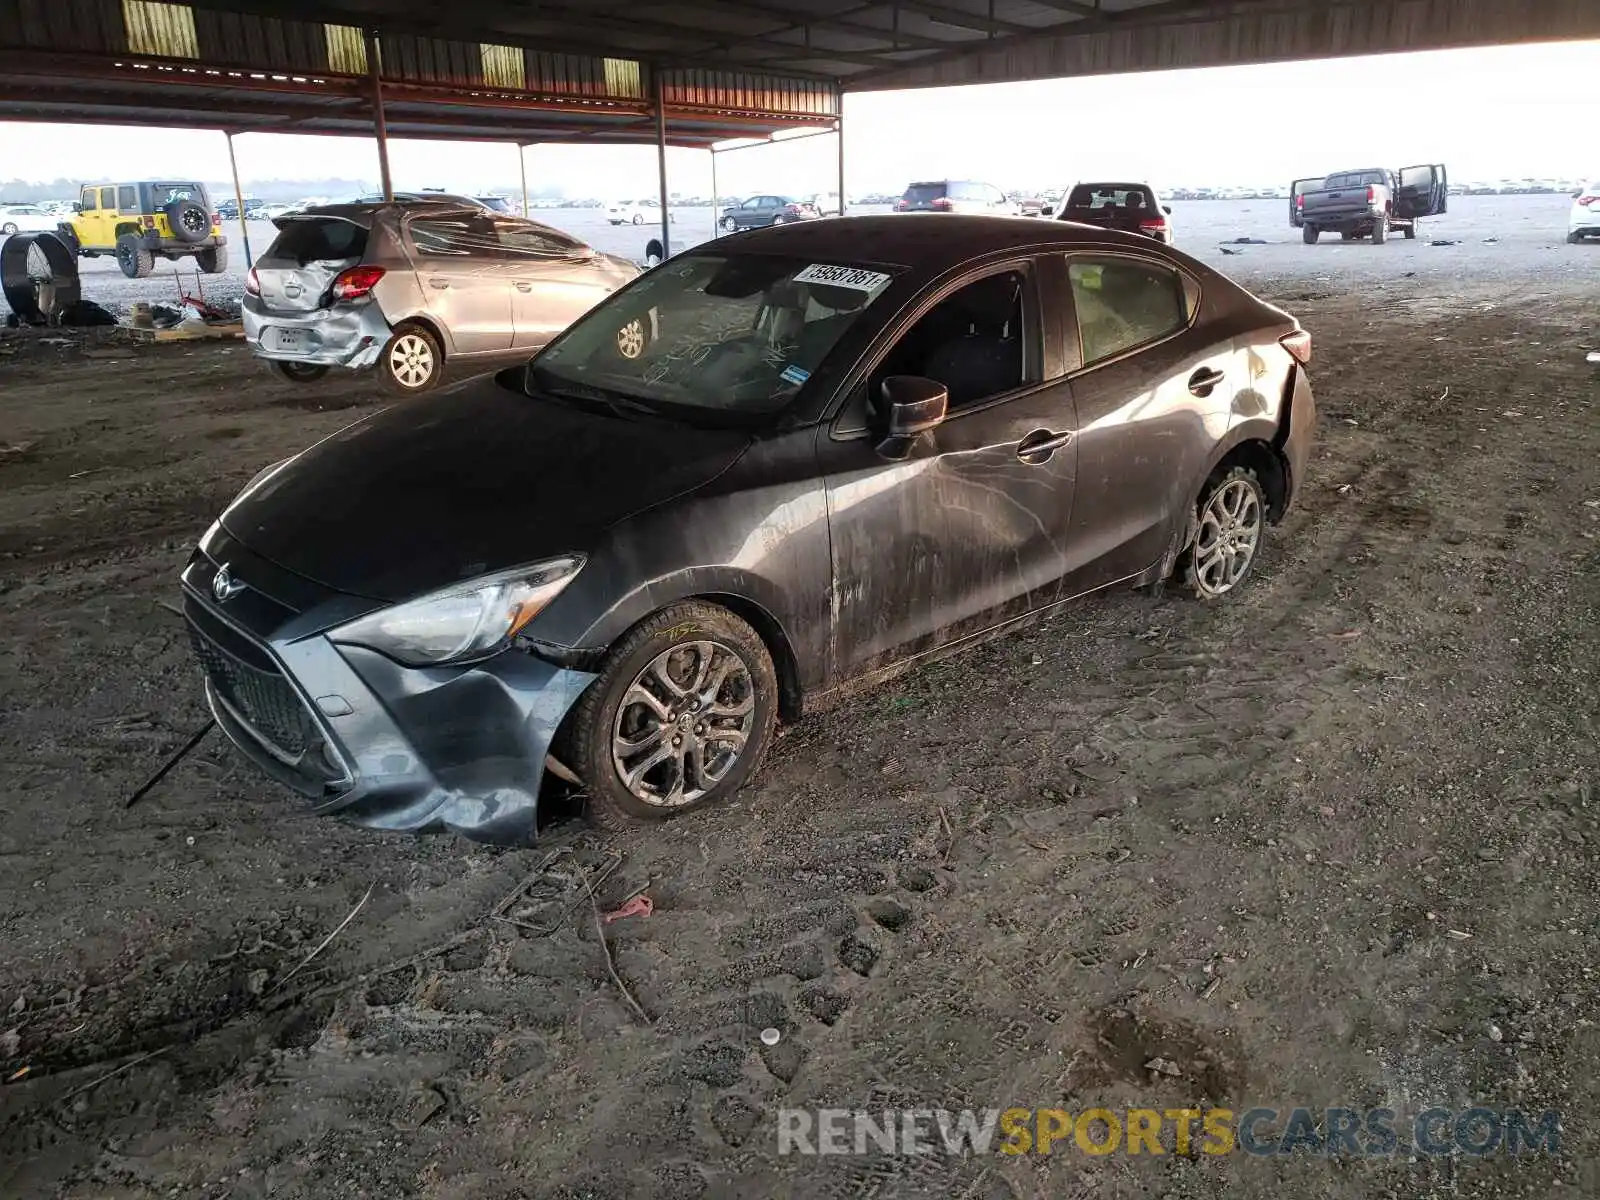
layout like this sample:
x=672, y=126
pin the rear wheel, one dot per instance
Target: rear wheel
x=298, y=372
x=1574, y=238
x=638, y=218
x=1347, y=237
x=1231, y=519
x=1380, y=231
x=729, y=224
x=213, y=260
x=411, y=361
x=680, y=718
x=1309, y=234
x=1410, y=232
x=136, y=262
x=8, y=228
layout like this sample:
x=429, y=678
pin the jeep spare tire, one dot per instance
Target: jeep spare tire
x=39, y=276
x=190, y=222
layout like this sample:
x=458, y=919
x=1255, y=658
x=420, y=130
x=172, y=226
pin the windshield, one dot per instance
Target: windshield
x=733, y=333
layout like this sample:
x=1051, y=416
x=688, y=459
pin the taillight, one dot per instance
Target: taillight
x=792, y=208
x=356, y=282
x=1585, y=201
x=1299, y=201
x=1372, y=193
x=942, y=204
x=1298, y=344
x=1157, y=224
x=216, y=218
x=252, y=283
x=900, y=204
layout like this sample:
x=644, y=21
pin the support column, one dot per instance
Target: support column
x=379, y=125
x=522, y=161
x=661, y=163
x=840, y=127
x=238, y=198
x=716, y=201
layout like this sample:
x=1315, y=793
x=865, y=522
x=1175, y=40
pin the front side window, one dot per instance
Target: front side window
x=974, y=341
x=735, y=334
x=1122, y=303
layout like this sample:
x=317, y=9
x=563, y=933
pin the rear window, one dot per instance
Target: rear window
x=319, y=240
x=1090, y=196
x=497, y=204
x=921, y=193
x=163, y=194
x=1352, y=179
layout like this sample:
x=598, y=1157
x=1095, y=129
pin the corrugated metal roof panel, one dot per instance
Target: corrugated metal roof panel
x=164, y=30
x=431, y=60
x=243, y=39
x=749, y=91
x=94, y=26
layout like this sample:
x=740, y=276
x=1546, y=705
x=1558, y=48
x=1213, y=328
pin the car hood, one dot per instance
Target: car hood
x=471, y=480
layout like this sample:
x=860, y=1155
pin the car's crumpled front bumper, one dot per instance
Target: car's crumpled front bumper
x=342, y=335
x=364, y=738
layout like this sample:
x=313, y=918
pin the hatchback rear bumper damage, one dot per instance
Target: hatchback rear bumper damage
x=342, y=335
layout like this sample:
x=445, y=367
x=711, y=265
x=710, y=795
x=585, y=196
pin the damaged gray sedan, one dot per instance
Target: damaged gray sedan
x=853, y=445
x=420, y=290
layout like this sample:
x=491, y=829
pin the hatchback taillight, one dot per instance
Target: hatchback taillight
x=356, y=282
x=1298, y=344
x=252, y=283
x=942, y=204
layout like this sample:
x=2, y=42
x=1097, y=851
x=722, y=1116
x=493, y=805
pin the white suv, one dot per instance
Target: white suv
x=1585, y=219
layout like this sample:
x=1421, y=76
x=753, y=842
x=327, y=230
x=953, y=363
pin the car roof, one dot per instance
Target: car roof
x=929, y=242
x=362, y=212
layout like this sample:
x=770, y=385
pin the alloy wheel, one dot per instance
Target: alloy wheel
x=630, y=339
x=1230, y=532
x=411, y=360
x=683, y=723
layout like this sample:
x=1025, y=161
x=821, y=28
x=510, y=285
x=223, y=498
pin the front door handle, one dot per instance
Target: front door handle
x=1205, y=380
x=441, y=284
x=1039, y=445
x=524, y=287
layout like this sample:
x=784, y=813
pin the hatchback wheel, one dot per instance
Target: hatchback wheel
x=638, y=218
x=729, y=224
x=680, y=718
x=8, y=228
x=633, y=338
x=411, y=362
x=1231, y=520
x=297, y=372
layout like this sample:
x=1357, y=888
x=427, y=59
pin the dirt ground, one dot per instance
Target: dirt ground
x=1331, y=843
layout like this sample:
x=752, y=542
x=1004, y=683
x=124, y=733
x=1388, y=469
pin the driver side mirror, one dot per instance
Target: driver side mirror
x=913, y=406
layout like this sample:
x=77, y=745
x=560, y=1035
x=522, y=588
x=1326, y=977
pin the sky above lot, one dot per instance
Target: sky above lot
x=1505, y=112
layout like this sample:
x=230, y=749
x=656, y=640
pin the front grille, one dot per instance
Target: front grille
x=263, y=698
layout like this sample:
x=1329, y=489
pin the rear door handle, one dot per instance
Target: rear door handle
x=1039, y=445
x=1203, y=381
x=441, y=284
x=524, y=287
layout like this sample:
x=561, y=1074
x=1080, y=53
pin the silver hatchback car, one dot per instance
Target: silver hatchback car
x=416, y=289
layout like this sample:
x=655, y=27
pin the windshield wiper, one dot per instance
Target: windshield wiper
x=571, y=389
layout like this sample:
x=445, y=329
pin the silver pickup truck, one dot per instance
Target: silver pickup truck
x=1368, y=203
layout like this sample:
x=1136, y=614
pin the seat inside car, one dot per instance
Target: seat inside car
x=971, y=342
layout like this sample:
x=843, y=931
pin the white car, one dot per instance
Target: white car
x=25, y=218
x=635, y=212
x=1585, y=219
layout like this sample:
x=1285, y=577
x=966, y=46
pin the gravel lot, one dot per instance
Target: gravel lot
x=1331, y=843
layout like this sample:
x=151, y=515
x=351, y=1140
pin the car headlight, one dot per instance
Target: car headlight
x=462, y=623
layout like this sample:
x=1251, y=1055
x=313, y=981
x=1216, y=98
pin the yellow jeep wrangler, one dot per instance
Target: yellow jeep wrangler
x=139, y=221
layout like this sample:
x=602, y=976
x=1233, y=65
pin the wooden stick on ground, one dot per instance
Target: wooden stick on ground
x=611, y=966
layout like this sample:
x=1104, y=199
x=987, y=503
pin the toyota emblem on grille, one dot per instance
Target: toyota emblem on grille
x=223, y=585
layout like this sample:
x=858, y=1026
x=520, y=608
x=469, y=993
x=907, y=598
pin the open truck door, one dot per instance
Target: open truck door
x=1297, y=189
x=1424, y=192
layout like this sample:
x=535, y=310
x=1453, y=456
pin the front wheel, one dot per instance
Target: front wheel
x=411, y=361
x=1309, y=234
x=1230, y=522
x=8, y=229
x=1410, y=232
x=1380, y=231
x=680, y=718
x=729, y=225
x=638, y=218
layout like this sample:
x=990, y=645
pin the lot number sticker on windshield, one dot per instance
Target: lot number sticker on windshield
x=845, y=277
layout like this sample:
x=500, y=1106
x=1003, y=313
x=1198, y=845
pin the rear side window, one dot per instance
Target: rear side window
x=127, y=198
x=526, y=240
x=921, y=193
x=319, y=241
x=455, y=237
x=1122, y=303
